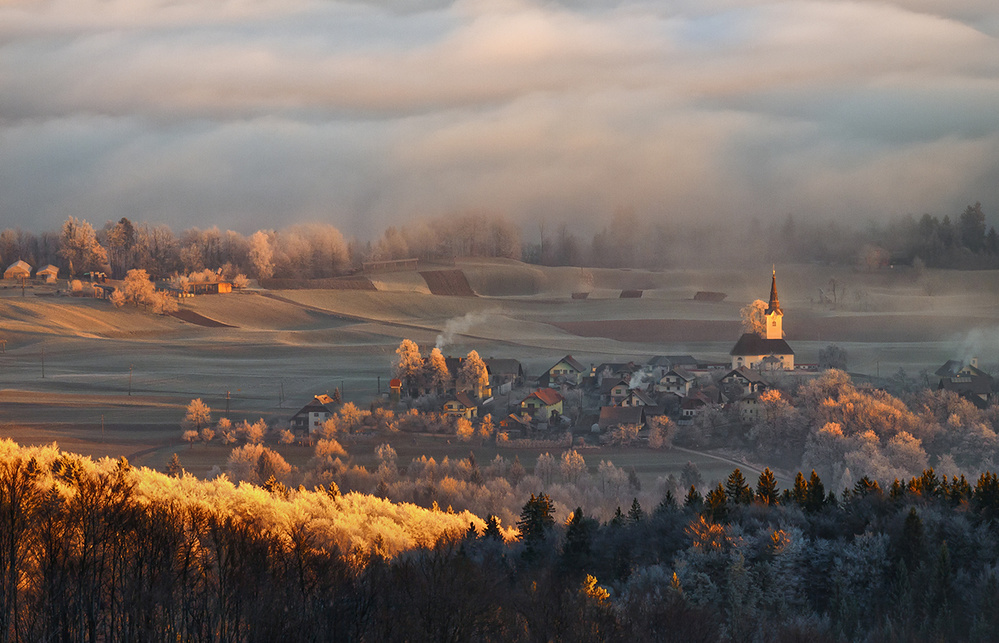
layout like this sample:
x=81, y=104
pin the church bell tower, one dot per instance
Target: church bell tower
x=774, y=315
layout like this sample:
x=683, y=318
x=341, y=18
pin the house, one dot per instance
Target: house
x=504, y=374
x=18, y=270
x=749, y=407
x=48, y=273
x=968, y=381
x=516, y=424
x=313, y=415
x=638, y=397
x=545, y=401
x=753, y=348
x=612, y=371
x=615, y=416
x=693, y=405
x=461, y=406
x=676, y=381
x=613, y=392
x=664, y=363
x=567, y=370
x=750, y=381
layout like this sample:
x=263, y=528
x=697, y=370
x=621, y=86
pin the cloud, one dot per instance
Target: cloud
x=366, y=113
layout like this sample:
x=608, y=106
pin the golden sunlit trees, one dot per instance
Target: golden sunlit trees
x=753, y=317
x=473, y=375
x=198, y=416
x=409, y=365
x=436, y=374
x=78, y=246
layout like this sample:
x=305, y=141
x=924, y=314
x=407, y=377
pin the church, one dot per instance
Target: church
x=766, y=351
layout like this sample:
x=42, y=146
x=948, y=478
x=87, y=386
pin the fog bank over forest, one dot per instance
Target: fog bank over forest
x=367, y=115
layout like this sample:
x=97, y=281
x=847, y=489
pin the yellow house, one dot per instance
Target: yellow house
x=461, y=406
x=547, y=399
x=567, y=370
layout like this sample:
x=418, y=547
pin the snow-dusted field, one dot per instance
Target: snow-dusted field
x=283, y=350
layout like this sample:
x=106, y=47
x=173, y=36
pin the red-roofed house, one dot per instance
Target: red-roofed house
x=547, y=399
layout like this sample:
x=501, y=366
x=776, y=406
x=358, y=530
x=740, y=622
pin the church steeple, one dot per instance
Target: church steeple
x=774, y=301
x=774, y=315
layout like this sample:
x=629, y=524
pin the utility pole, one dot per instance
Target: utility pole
x=130, y=380
x=282, y=394
x=227, y=404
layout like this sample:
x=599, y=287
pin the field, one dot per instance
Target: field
x=72, y=365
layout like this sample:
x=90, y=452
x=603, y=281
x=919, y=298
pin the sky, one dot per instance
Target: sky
x=252, y=114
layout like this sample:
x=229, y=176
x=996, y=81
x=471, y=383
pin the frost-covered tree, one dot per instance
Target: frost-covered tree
x=409, y=365
x=473, y=375
x=435, y=371
x=78, y=246
x=572, y=467
x=198, y=415
x=754, y=318
x=262, y=254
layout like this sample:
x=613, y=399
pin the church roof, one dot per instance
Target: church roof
x=753, y=344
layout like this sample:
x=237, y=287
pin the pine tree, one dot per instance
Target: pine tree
x=737, y=489
x=578, y=540
x=766, y=488
x=913, y=543
x=337, y=398
x=173, y=468
x=800, y=490
x=668, y=503
x=536, y=519
x=693, y=499
x=471, y=533
x=865, y=486
x=635, y=514
x=716, y=504
x=816, y=495
x=618, y=519
x=492, y=531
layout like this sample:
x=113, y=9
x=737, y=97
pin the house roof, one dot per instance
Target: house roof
x=48, y=269
x=615, y=368
x=517, y=419
x=18, y=266
x=643, y=397
x=319, y=404
x=503, y=366
x=748, y=374
x=753, y=344
x=606, y=387
x=463, y=399
x=954, y=368
x=681, y=373
x=615, y=415
x=568, y=359
x=395, y=383
x=672, y=361
x=548, y=396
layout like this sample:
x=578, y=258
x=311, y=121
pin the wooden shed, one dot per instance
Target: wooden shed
x=18, y=270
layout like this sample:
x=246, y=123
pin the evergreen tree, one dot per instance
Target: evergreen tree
x=536, y=519
x=472, y=533
x=799, y=493
x=173, y=468
x=913, y=543
x=337, y=398
x=492, y=531
x=618, y=519
x=865, y=486
x=766, y=488
x=635, y=514
x=737, y=489
x=716, y=505
x=578, y=540
x=668, y=502
x=816, y=495
x=693, y=499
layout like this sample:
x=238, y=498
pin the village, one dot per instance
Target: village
x=571, y=404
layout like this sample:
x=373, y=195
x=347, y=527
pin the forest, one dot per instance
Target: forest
x=103, y=551
x=320, y=250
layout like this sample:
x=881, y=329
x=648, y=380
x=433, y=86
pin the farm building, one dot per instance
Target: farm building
x=209, y=287
x=752, y=349
x=968, y=381
x=312, y=416
x=17, y=270
x=49, y=273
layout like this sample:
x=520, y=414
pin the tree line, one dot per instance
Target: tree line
x=627, y=240
x=108, y=552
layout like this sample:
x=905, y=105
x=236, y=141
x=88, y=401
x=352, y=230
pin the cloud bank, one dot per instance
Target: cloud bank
x=257, y=113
